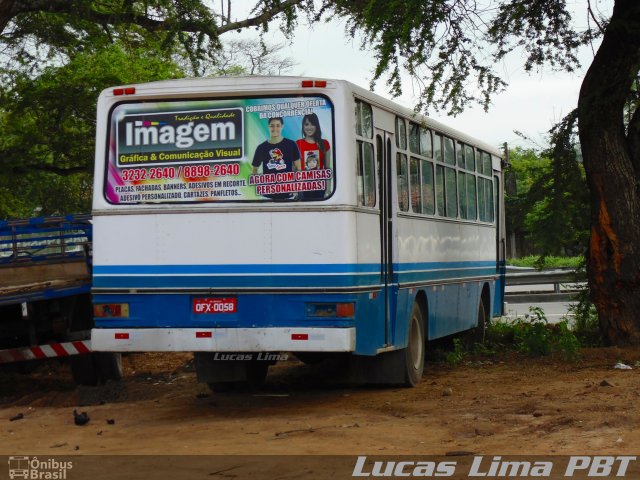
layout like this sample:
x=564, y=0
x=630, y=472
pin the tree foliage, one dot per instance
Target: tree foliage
x=45, y=31
x=48, y=127
x=451, y=48
x=551, y=204
x=59, y=56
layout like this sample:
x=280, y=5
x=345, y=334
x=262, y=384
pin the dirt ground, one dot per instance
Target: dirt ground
x=513, y=405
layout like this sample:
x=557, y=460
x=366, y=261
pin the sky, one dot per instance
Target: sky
x=531, y=104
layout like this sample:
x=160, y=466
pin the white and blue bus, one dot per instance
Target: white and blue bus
x=235, y=217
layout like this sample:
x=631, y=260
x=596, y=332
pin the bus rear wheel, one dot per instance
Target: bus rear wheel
x=415, y=352
x=256, y=374
x=477, y=334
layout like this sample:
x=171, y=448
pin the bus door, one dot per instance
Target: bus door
x=501, y=243
x=383, y=161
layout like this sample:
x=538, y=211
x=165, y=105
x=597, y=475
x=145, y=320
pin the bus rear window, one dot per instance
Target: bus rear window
x=231, y=150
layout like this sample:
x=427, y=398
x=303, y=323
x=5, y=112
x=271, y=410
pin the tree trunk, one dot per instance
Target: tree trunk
x=611, y=154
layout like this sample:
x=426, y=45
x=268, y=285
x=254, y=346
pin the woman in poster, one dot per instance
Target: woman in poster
x=313, y=148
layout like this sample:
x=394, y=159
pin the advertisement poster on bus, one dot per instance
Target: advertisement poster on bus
x=256, y=149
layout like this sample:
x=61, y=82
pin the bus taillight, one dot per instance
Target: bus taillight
x=124, y=91
x=116, y=310
x=346, y=309
x=343, y=310
x=314, y=83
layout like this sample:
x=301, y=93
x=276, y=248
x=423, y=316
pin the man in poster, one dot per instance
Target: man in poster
x=277, y=154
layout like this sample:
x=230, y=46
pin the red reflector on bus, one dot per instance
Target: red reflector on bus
x=122, y=336
x=204, y=334
x=118, y=91
x=345, y=309
x=307, y=83
x=321, y=83
x=299, y=336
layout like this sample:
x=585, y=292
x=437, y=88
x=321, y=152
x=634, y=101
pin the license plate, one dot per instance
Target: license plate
x=215, y=305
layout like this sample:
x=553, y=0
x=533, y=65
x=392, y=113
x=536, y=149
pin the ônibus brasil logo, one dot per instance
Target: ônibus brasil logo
x=35, y=469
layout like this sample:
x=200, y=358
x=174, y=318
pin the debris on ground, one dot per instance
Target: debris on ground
x=80, y=418
x=622, y=366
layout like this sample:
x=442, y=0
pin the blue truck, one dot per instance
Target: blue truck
x=45, y=296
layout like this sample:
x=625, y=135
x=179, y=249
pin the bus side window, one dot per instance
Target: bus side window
x=440, y=190
x=467, y=195
x=364, y=119
x=470, y=158
x=460, y=154
x=414, y=137
x=366, y=175
x=401, y=133
x=481, y=197
x=437, y=147
x=401, y=175
x=479, y=161
x=472, y=213
x=450, y=191
x=428, y=192
x=495, y=198
x=462, y=192
x=485, y=199
x=486, y=164
x=415, y=185
x=426, y=148
x=449, y=154
x=488, y=191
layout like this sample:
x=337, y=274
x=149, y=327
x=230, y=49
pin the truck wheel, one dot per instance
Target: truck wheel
x=84, y=371
x=109, y=366
x=415, y=351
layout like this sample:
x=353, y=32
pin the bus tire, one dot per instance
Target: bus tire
x=481, y=327
x=477, y=334
x=84, y=371
x=414, y=354
x=109, y=366
x=221, y=387
x=310, y=358
x=256, y=373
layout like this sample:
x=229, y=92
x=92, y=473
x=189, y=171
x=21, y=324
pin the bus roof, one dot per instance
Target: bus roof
x=279, y=84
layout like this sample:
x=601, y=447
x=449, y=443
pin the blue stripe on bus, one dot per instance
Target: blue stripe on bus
x=243, y=281
x=236, y=269
x=276, y=276
x=338, y=268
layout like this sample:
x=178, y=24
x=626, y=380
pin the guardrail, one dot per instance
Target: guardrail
x=555, y=277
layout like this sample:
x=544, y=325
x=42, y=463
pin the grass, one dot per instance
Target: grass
x=532, y=336
x=535, y=261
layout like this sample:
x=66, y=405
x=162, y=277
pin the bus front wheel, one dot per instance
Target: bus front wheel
x=415, y=352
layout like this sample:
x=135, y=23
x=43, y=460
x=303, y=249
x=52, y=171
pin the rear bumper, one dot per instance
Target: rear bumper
x=223, y=339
